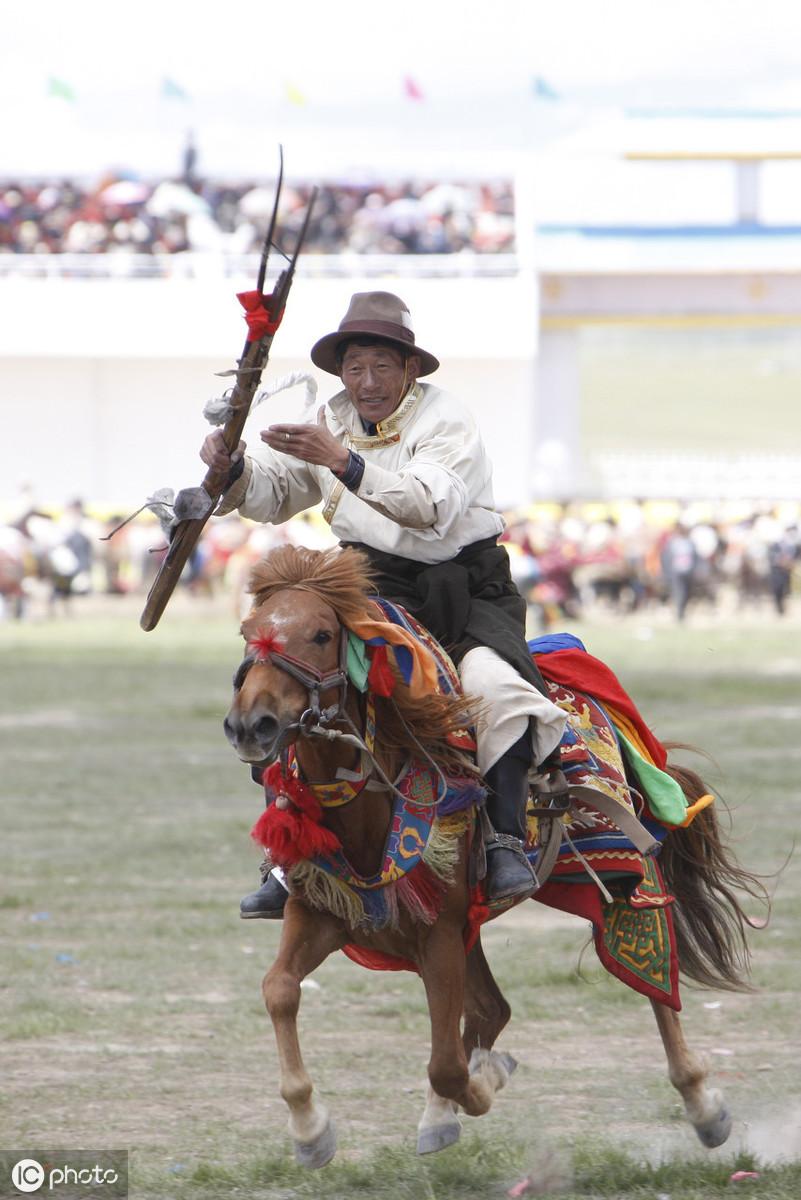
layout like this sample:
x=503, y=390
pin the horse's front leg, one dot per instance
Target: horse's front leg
x=706, y=1110
x=307, y=938
x=470, y=1085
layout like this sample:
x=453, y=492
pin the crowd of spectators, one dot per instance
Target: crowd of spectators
x=570, y=561
x=634, y=556
x=164, y=217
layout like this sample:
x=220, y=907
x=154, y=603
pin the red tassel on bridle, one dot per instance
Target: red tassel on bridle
x=264, y=644
x=294, y=832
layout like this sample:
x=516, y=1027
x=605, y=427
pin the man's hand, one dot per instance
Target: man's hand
x=310, y=443
x=214, y=453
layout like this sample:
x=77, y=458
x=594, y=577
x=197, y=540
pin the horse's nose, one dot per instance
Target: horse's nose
x=247, y=731
x=265, y=730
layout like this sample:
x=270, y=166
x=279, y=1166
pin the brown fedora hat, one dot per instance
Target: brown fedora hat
x=376, y=314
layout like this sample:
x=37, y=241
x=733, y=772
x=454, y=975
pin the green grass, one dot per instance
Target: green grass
x=704, y=391
x=130, y=1003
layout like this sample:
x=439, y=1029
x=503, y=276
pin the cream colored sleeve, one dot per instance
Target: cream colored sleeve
x=435, y=488
x=272, y=488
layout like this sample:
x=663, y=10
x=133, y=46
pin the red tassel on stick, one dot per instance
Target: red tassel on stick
x=258, y=314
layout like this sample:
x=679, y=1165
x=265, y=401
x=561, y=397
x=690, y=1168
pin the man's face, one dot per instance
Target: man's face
x=376, y=379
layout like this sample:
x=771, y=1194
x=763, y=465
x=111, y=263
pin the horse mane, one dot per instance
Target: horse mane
x=342, y=578
x=339, y=577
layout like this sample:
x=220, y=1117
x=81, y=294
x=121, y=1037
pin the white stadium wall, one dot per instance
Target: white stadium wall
x=104, y=381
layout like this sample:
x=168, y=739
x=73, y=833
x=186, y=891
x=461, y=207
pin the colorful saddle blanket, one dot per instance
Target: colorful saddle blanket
x=633, y=933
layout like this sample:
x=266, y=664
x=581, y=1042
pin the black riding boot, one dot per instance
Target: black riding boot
x=509, y=873
x=268, y=902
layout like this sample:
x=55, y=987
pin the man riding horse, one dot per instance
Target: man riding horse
x=403, y=475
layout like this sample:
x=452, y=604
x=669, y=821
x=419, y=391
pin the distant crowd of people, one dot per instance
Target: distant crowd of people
x=163, y=217
x=568, y=560
x=639, y=555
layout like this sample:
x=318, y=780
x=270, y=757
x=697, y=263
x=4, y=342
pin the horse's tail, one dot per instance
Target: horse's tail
x=704, y=875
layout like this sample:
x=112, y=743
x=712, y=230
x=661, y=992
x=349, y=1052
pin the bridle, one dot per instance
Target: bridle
x=315, y=683
x=315, y=721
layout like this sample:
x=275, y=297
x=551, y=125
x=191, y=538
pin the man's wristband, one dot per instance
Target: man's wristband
x=353, y=472
x=234, y=473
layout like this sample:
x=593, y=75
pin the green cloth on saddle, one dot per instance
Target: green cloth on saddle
x=358, y=663
x=666, y=800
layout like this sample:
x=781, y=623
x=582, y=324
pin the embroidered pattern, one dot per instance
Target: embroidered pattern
x=420, y=854
x=637, y=935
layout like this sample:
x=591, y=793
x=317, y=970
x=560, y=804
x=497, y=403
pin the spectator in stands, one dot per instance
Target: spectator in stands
x=54, y=217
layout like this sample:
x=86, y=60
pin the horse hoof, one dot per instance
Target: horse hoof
x=716, y=1130
x=496, y=1064
x=319, y=1152
x=437, y=1137
x=509, y=1063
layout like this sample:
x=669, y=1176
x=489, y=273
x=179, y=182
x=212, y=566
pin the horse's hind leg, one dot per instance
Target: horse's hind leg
x=706, y=1110
x=307, y=938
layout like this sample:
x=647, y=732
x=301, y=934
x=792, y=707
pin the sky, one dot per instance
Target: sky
x=88, y=85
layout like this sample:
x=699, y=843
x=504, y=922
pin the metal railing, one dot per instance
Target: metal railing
x=205, y=265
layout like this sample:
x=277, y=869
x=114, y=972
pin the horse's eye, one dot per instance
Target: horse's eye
x=321, y=637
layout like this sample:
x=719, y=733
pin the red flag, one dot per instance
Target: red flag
x=411, y=89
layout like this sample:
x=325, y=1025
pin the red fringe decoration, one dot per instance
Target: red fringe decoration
x=421, y=892
x=264, y=644
x=258, y=314
x=381, y=678
x=294, y=833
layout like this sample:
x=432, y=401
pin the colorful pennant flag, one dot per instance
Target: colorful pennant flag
x=542, y=89
x=293, y=94
x=60, y=89
x=411, y=89
x=170, y=90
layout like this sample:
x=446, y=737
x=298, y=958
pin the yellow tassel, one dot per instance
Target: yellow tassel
x=442, y=849
x=325, y=892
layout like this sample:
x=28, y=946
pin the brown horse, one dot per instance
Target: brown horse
x=292, y=691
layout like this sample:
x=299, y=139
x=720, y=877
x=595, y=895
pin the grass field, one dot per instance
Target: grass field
x=131, y=1006
x=712, y=391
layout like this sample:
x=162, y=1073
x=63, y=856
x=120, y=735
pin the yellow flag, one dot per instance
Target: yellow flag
x=293, y=94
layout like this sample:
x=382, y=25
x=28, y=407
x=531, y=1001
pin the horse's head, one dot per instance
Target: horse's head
x=290, y=676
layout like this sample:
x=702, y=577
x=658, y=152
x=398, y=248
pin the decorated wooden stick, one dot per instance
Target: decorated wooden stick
x=194, y=506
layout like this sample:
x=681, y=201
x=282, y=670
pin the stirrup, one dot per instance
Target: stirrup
x=549, y=786
x=508, y=841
